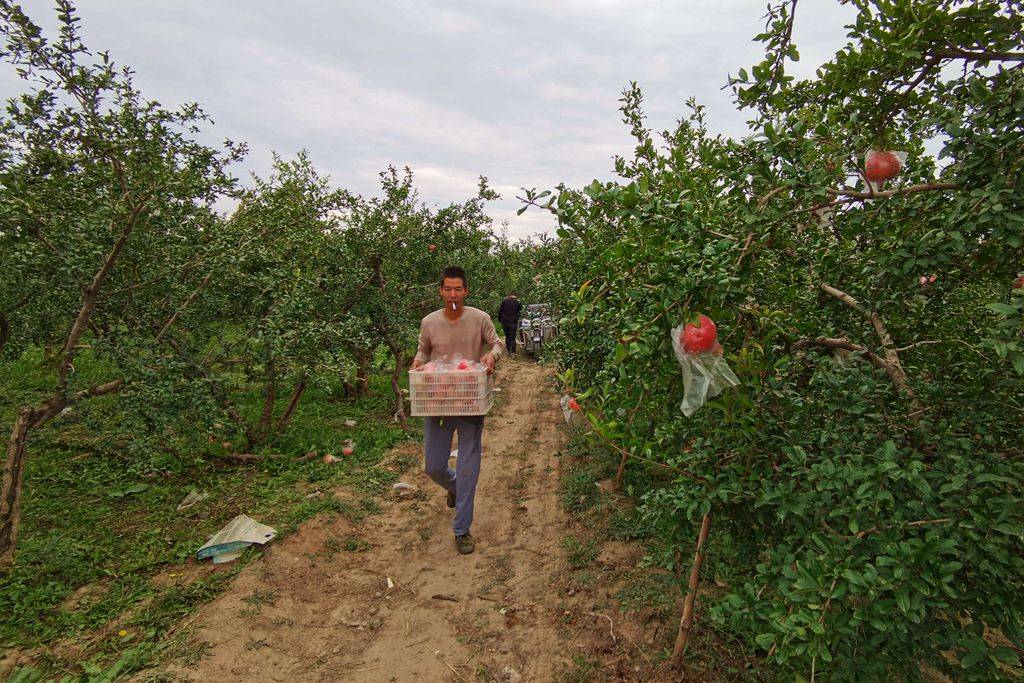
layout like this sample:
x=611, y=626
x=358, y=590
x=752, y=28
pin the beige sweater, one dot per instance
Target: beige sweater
x=472, y=335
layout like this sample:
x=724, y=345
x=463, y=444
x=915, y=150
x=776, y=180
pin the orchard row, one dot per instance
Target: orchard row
x=860, y=489
x=115, y=258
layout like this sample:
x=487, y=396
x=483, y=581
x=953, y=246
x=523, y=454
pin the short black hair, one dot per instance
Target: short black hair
x=512, y=293
x=454, y=272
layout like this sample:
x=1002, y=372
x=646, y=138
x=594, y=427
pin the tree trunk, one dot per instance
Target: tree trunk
x=691, y=595
x=269, y=396
x=619, y=472
x=362, y=372
x=259, y=432
x=396, y=385
x=282, y=423
x=617, y=485
x=5, y=331
x=10, y=489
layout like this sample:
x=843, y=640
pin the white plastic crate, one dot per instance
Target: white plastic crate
x=436, y=393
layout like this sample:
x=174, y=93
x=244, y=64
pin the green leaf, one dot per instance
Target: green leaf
x=1010, y=529
x=972, y=659
x=620, y=353
x=903, y=599
x=1005, y=309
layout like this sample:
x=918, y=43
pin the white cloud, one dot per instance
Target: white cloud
x=524, y=93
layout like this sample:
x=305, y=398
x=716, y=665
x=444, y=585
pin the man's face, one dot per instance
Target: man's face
x=453, y=291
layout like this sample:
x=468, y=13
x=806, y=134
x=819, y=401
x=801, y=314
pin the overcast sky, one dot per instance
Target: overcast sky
x=525, y=93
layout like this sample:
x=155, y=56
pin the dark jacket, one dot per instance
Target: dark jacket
x=508, y=312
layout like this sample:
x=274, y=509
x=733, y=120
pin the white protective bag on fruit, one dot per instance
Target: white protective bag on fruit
x=876, y=185
x=705, y=374
x=566, y=410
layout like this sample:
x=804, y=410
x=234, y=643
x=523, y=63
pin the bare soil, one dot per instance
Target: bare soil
x=318, y=606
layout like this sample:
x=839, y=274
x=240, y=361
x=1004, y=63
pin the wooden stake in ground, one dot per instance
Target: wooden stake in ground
x=691, y=595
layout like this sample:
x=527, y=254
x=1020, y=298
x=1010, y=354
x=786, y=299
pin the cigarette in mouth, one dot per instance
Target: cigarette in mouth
x=453, y=305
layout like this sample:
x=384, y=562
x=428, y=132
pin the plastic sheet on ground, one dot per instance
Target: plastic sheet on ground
x=237, y=535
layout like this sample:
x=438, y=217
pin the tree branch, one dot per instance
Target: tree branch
x=916, y=344
x=90, y=295
x=283, y=421
x=846, y=345
x=787, y=38
x=891, y=358
x=248, y=457
x=979, y=56
x=763, y=201
x=930, y=64
x=910, y=189
x=842, y=296
x=51, y=408
x=181, y=309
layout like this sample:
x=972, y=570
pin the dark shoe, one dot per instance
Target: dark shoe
x=465, y=544
x=450, y=500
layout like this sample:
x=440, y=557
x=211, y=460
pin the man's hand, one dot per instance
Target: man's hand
x=489, y=362
x=416, y=362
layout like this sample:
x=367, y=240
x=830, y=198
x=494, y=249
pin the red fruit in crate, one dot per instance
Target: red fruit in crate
x=701, y=337
x=463, y=365
x=573, y=405
x=881, y=166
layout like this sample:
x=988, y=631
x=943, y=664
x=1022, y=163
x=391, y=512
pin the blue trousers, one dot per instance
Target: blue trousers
x=437, y=446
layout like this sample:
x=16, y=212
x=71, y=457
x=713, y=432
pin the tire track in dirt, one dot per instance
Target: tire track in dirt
x=301, y=614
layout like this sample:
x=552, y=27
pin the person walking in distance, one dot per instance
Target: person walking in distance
x=468, y=331
x=508, y=316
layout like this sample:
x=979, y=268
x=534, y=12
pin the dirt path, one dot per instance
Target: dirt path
x=317, y=609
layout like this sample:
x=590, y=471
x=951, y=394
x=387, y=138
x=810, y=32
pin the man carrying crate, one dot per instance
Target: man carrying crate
x=468, y=331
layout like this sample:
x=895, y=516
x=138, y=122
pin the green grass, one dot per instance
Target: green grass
x=99, y=519
x=582, y=670
x=579, y=485
x=579, y=553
